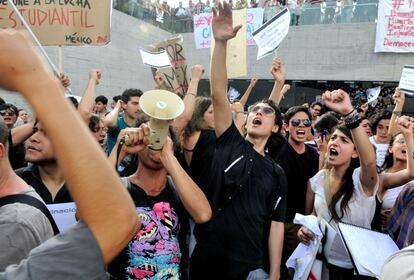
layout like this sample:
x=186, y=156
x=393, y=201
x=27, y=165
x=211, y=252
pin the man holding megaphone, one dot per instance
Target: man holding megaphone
x=164, y=194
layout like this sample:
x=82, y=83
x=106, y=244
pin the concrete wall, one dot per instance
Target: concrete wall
x=313, y=52
x=343, y=52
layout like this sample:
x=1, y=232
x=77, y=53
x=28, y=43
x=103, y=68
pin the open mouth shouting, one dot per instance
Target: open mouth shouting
x=257, y=121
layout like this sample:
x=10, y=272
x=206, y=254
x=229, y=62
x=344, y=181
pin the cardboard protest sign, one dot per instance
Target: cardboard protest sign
x=175, y=77
x=236, y=48
x=202, y=27
x=269, y=36
x=62, y=22
x=155, y=59
x=407, y=80
x=63, y=214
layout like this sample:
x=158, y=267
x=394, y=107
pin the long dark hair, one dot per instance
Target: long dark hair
x=389, y=159
x=197, y=122
x=346, y=189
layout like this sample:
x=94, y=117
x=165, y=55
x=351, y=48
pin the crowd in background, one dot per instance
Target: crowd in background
x=303, y=12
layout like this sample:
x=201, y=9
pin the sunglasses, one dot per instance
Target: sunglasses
x=296, y=122
x=7, y=112
x=99, y=129
x=265, y=109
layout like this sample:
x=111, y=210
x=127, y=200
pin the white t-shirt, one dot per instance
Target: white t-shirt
x=380, y=150
x=360, y=211
x=390, y=195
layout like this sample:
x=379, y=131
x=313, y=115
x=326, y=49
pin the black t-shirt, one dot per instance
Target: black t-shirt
x=159, y=248
x=31, y=176
x=245, y=197
x=16, y=154
x=299, y=168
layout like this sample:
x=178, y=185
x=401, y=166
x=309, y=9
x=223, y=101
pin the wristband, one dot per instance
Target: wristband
x=193, y=94
x=397, y=113
x=344, y=116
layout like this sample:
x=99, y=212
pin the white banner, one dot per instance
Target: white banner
x=63, y=214
x=395, y=26
x=202, y=27
x=407, y=80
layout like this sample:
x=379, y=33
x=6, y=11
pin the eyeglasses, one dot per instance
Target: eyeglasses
x=7, y=112
x=99, y=129
x=265, y=109
x=401, y=141
x=296, y=122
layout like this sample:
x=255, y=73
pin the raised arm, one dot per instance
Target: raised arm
x=246, y=94
x=392, y=180
x=21, y=133
x=239, y=119
x=222, y=26
x=104, y=205
x=181, y=122
x=111, y=119
x=278, y=73
x=87, y=102
x=339, y=101
x=193, y=199
x=399, y=99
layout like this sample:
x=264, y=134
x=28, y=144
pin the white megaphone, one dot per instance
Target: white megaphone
x=161, y=106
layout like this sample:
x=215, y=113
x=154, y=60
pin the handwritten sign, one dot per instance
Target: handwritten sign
x=407, y=80
x=62, y=22
x=395, y=26
x=63, y=214
x=269, y=36
x=202, y=27
x=155, y=59
x=175, y=77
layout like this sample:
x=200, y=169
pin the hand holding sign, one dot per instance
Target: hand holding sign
x=278, y=70
x=372, y=96
x=222, y=24
x=407, y=80
x=269, y=36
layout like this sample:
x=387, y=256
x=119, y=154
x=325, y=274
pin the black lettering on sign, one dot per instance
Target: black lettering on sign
x=36, y=2
x=77, y=39
x=79, y=3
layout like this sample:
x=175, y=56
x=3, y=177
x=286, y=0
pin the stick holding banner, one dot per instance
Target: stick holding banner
x=55, y=70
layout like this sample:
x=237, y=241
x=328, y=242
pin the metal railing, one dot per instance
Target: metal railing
x=307, y=14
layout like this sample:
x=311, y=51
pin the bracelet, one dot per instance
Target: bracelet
x=352, y=120
x=344, y=116
x=354, y=124
x=397, y=113
x=193, y=94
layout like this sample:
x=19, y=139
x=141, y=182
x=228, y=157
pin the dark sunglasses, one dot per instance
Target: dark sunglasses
x=8, y=112
x=265, y=109
x=296, y=122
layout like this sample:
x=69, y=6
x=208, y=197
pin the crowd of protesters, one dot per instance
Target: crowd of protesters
x=303, y=12
x=218, y=200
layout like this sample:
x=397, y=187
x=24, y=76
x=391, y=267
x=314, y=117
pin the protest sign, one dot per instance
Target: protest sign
x=155, y=59
x=202, y=27
x=395, y=26
x=372, y=96
x=236, y=60
x=176, y=76
x=269, y=36
x=407, y=80
x=62, y=22
x=63, y=214
x=232, y=94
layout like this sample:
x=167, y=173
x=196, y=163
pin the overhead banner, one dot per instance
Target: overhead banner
x=176, y=76
x=395, y=26
x=62, y=22
x=202, y=27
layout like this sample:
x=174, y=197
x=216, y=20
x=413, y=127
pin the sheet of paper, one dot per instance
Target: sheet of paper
x=407, y=80
x=269, y=36
x=155, y=59
x=369, y=249
x=63, y=214
x=372, y=95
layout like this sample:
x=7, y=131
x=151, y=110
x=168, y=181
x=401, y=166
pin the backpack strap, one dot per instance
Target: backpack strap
x=32, y=201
